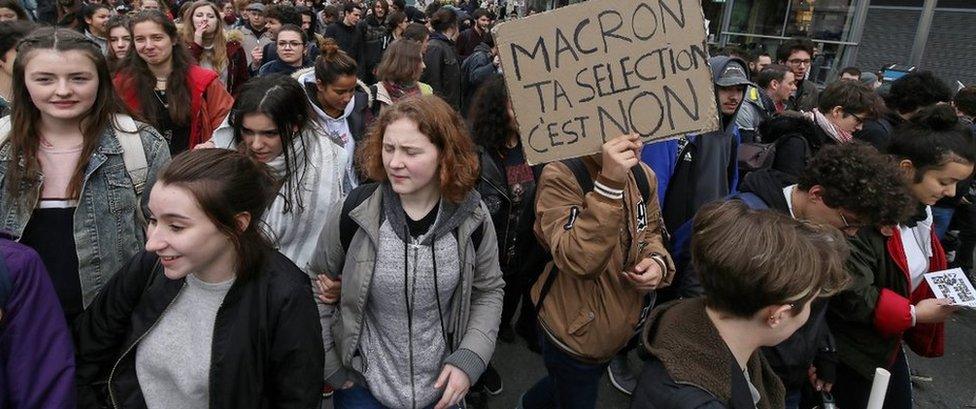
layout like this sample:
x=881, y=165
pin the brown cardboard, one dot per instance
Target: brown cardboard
x=586, y=73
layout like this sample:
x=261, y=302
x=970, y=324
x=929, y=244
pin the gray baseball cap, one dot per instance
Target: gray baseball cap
x=255, y=7
x=733, y=74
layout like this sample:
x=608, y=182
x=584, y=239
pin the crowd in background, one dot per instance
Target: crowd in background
x=267, y=204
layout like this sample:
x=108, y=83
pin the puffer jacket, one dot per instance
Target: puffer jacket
x=591, y=311
x=210, y=102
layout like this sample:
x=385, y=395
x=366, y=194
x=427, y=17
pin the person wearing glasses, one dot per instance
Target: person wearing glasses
x=290, y=45
x=843, y=108
x=797, y=55
x=845, y=186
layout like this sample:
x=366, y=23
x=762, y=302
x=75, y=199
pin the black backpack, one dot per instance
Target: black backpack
x=585, y=182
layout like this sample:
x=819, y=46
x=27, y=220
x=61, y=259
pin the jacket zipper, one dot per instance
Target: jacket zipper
x=111, y=374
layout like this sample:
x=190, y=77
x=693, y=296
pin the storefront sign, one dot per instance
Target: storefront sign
x=586, y=73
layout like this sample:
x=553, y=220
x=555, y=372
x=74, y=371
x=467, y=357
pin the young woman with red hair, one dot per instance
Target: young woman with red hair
x=421, y=291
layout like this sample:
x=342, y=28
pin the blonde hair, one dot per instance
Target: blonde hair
x=218, y=55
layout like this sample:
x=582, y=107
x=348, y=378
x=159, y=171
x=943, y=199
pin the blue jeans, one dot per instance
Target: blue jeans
x=571, y=384
x=941, y=217
x=359, y=397
x=793, y=398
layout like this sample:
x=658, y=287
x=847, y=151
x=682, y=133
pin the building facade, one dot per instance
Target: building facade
x=931, y=35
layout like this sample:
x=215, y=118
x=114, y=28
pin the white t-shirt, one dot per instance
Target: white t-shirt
x=917, y=243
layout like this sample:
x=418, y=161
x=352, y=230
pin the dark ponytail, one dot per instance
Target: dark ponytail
x=226, y=183
x=933, y=138
x=333, y=63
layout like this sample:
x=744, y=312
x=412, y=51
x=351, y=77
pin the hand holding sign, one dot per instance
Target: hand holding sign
x=583, y=74
x=619, y=155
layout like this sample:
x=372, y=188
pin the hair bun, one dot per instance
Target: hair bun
x=328, y=48
x=938, y=117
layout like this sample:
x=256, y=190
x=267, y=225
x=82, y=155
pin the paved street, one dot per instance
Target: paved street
x=953, y=384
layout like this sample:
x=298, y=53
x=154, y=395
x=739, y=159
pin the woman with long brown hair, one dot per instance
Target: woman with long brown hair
x=209, y=315
x=203, y=33
x=182, y=100
x=71, y=168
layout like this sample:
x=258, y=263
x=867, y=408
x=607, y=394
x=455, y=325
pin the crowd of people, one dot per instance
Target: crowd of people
x=268, y=204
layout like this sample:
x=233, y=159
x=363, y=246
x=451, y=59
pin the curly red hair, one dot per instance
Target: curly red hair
x=458, y=167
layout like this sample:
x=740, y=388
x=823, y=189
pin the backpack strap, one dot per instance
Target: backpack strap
x=642, y=183
x=347, y=226
x=133, y=152
x=582, y=174
x=4, y=129
x=585, y=182
x=752, y=200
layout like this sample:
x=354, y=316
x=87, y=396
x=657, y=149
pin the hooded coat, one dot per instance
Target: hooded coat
x=706, y=167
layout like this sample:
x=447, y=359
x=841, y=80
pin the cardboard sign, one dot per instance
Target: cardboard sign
x=586, y=73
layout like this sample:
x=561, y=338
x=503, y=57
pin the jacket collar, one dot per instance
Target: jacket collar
x=694, y=363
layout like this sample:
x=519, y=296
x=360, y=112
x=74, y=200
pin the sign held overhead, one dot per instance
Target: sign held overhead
x=586, y=73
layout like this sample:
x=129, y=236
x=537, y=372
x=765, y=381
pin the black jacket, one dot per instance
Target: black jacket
x=528, y=259
x=350, y=38
x=813, y=342
x=877, y=132
x=443, y=72
x=685, y=370
x=267, y=341
x=792, y=136
x=475, y=70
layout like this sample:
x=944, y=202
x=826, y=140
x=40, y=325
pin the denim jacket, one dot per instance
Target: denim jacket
x=106, y=230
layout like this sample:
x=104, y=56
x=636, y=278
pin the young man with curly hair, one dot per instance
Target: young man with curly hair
x=845, y=186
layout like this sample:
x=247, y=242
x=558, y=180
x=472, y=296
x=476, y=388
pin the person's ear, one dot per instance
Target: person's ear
x=243, y=220
x=908, y=167
x=815, y=194
x=776, y=313
x=836, y=112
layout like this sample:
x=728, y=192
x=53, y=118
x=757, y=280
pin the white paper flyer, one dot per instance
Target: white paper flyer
x=954, y=285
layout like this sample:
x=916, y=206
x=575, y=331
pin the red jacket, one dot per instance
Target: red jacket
x=209, y=101
x=237, y=73
x=892, y=314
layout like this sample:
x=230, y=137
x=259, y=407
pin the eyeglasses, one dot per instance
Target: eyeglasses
x=857, y=117
x=848, y=226
x=799, y=62
x=289, y=44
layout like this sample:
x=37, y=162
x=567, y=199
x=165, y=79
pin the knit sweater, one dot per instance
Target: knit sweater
x=403, y=344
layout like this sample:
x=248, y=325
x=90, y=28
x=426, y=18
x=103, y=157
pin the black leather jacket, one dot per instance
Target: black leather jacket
x=528, y=256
